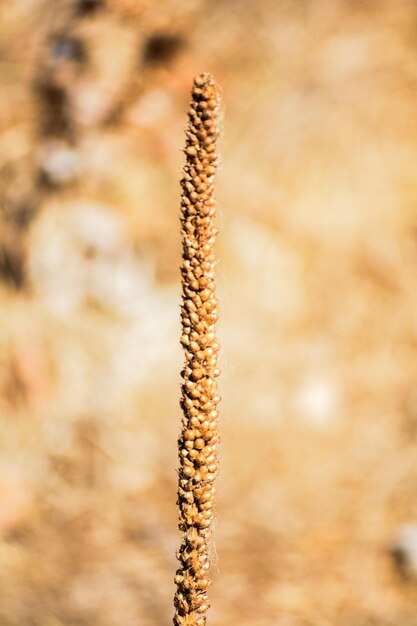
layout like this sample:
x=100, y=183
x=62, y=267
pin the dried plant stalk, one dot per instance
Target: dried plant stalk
x=199, y=438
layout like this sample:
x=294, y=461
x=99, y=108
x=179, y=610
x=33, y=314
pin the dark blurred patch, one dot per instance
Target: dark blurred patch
x=12, y=244
x=54, y=117
x=12, y=269
x=22, y=214
x=161, y=48
x=17, y=208
x=404, y=552
x=86, y=7
x=68, y=49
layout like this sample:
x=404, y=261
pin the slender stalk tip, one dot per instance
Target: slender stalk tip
x=199, y=438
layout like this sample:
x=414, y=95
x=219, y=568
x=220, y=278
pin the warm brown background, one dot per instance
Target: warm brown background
x=317, y=282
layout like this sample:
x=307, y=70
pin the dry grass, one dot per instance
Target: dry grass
x=317, y=286
x=199, y=437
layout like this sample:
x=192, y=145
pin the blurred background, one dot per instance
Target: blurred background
x=317, y=194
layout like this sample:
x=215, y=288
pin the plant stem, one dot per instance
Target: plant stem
x=199, y=438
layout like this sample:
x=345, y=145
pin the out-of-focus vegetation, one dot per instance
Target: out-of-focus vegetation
x=318, y=201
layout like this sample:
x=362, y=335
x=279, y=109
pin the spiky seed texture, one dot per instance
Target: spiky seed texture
x=199, y=438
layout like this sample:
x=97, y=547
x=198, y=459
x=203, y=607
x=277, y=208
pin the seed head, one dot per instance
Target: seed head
x=198, y=439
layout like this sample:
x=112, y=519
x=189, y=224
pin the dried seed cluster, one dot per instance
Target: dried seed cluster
x=199, y=439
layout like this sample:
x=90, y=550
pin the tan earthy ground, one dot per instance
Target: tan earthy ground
x=318, y=265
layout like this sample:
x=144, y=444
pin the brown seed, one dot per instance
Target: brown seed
x=203, y=523
x=200, y=80
x=206, y=496
x=198, y=491
x=191, y=151
x=208, y=434
x=197, y=374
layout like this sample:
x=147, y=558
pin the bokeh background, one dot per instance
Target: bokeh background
x=317, y=193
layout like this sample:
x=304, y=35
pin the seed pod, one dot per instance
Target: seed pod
x=198, y=441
